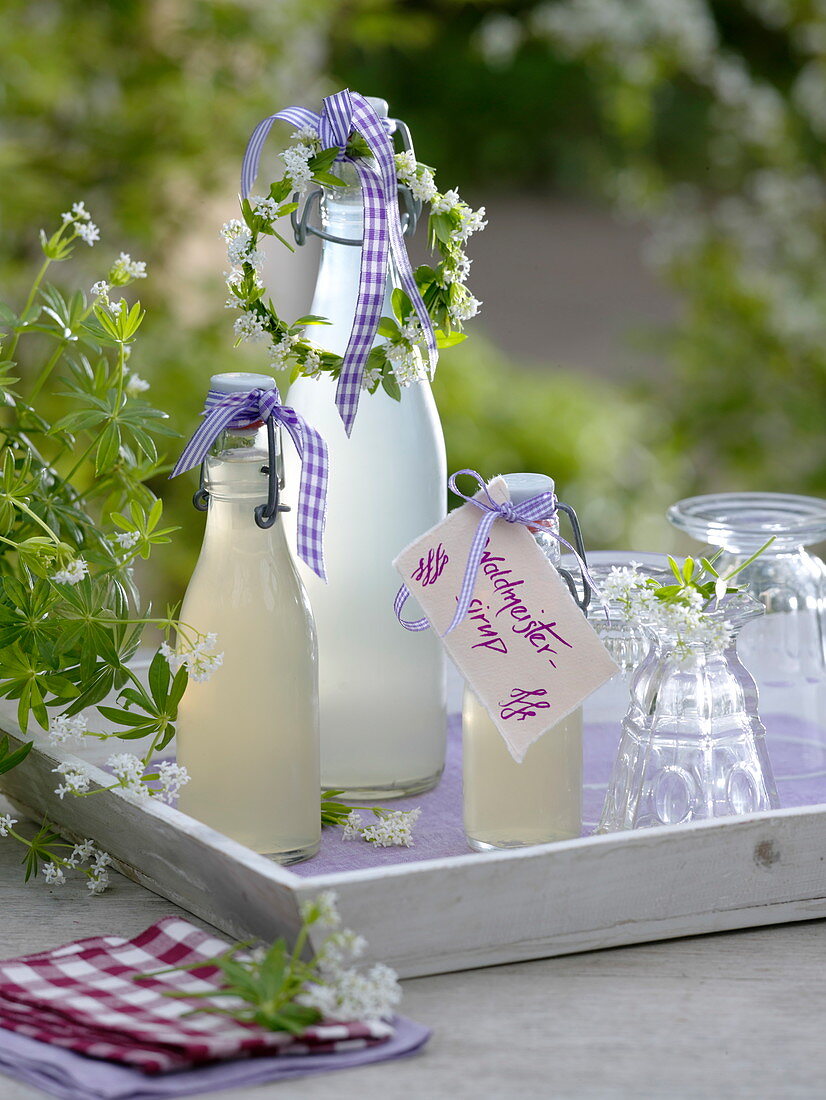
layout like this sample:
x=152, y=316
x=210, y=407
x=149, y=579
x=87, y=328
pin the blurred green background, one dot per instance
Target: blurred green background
x=655, y=292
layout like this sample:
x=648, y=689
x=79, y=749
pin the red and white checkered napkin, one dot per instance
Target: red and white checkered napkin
x=83, y=996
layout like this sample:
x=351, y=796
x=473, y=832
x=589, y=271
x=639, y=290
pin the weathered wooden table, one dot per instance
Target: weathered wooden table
x=738, y=1014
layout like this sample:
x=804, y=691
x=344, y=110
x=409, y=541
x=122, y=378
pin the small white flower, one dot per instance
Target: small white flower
x=456, y=270
x=262, y=207
x=321, y=910
x=135, y=385
x=423, y=187
x=297, y=170
x=249, y=326
x=472, y=221
x=76, y=779
x=116, y=308
x=351, y=826
x=128, y=769
x=232, y=229
x=101, y=860
x=200, y=658
x=81, y=853
x=444, y=204
x=97, y=883
x=73, y=573
x=100, y=290
x=464, y=309
x=406, y=166
x=312, y=365
x=88, y=232
x=124, y=270
x=306, y=134
x=53, y=874
x=281, y=351
x=7, y=823
x=171, y=777
x=407, y=363
x=394, y=828
x=80, y=212
x=174, y=659
x=127, y=539
x=370, y=378
x=66, y=728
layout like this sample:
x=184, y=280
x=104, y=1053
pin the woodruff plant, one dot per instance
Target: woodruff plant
x=75, y=513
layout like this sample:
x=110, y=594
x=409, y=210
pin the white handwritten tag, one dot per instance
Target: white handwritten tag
x=524, y=646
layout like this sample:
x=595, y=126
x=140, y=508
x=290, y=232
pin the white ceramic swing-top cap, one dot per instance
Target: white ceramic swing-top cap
x=240, y=381
x=524, y=486
x=380, y=106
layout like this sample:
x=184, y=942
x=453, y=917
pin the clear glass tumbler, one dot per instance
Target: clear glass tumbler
x=787, y=645
x=692, y=746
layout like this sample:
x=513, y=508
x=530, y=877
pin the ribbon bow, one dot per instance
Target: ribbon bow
x=531, y=511
x=234, y=411
x=342, y=114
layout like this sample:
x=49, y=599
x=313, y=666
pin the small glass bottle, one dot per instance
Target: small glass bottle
x=382, y=690
x=510, y=805
x=249, y=735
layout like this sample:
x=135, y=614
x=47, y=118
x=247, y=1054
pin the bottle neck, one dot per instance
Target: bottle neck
x=236, y=471
x=543, y=532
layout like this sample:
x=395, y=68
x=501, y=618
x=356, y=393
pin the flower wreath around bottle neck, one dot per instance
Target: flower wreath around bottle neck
x=397, y=362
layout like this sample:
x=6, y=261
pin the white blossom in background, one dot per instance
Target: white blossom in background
x=135, y=385
x=127, y=539
x=100, y=290
x=321, y=910
x=264, y=207
x=7, y=823
x=73, y=573
x=88, y=232
x=125, y=270
x=65, y=728
x=81, y=853
x=498, y=38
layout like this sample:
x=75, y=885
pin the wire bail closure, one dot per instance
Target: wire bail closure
x=579, y=545
x=410, y=213
x=265, y=514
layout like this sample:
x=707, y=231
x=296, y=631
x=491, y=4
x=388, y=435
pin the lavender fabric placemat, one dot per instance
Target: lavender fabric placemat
x=72, y=1076
x=797, y=749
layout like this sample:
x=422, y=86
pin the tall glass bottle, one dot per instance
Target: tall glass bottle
x=249, y=735
x=510, y=805
x=382, y=689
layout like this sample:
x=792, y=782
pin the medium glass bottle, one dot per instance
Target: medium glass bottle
x=382, y=690
x=510, y=805
x=249, y=735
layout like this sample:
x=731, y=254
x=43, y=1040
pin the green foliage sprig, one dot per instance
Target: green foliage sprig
x=278, y=989
x=396, y=362
x=75, y=513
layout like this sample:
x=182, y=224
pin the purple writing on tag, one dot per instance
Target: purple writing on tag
x=430, y=567
x=523, y=704
x=538, y=633
x=491, y=638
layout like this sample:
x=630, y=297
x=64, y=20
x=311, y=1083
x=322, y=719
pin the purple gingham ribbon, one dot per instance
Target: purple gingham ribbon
x=234, y=411
x=531, y=511
x=342, y=114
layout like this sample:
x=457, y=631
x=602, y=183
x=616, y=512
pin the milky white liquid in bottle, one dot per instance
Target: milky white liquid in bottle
x=382, y=688
x=538, y=801
x=508, y=805
x=249, y=735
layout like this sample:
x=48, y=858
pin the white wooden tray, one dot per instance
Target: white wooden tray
x=463, y=911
